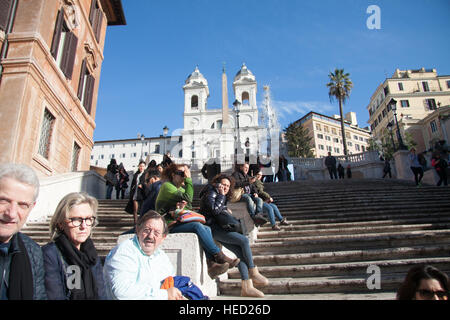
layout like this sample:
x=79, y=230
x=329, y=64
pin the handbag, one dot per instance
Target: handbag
x=185, y=216
x=236, y=195
x=228, y=223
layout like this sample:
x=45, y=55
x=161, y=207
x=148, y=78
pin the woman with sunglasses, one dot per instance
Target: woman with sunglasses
x=177, y=192
x=73, y=270
x=424, y=282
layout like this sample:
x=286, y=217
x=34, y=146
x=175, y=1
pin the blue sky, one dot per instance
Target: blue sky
x=291, y=45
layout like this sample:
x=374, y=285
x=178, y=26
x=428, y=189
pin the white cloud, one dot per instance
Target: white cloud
x=291, y=109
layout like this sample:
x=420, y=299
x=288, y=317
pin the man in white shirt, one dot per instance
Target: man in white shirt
x=135, y=268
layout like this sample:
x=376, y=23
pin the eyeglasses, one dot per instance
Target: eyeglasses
x=148, y=231
x=22, y=205
x=78, y=221
x=179, y=173
x=429, y=294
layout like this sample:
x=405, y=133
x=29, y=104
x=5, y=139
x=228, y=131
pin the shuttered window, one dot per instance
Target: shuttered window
x=96, y=19
x=48, y=124
x=5, y=8
x=86, y=87
x=64, y=46
x=75, y=156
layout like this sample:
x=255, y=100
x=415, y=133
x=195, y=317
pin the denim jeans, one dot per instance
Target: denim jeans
x=204, y=235
x=109, y=189
x=239, y=245
x=251, y=202
x=272, y=212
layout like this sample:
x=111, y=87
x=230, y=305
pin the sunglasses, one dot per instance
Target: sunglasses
x=428, y=294
x=179, y=173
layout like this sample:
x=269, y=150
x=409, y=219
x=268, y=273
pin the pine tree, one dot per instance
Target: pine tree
x=298, y=141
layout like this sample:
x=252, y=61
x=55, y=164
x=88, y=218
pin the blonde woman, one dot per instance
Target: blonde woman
x=73, y=270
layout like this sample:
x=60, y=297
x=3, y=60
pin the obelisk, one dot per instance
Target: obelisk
x=224, y=99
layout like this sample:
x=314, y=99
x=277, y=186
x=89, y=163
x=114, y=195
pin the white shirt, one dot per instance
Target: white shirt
x=131, y=274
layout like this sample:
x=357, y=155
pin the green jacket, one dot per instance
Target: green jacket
x=169, y=195
x=260, y=189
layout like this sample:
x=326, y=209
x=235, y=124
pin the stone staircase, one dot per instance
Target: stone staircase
x=340, y=228
x=337, y=230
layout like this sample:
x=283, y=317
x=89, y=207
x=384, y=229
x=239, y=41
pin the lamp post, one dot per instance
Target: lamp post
x=237, y=105
x=389, y=126
x=401, y=145
x=142, y=137
x=165, y=132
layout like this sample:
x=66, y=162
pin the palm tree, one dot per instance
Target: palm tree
x=339, y=87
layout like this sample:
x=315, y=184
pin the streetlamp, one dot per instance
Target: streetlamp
x=142, y=137
x=165, y=132
x=389, y=126
x=237, y=105
x=401, y=145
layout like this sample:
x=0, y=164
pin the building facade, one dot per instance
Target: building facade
x=130, y=151
x=326, y=134
x=51, y=58
x=419, y=93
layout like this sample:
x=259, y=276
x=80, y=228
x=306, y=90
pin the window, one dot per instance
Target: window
x=134, y=155
x=336, y=140
x=96, y=18
x=157, y=147
x=112, y=156
x=400, y=86
x=380, y=118
x=329, y=148
x=404, y=103
x=433, y=126
x=333, y=131
x=320, y=136
x=48, y=124
x=86, y=87
x=318, y=127
x=194, y=102
x=336, y=150
x=328, y=138
x=75, y=156
x=357, y=147
x=219, y=124
x=349, y=143
x=321, y=147
x=355, y=137
x=245, y=97
x=64, y=46
x=448, y=84
x=386, y=90
x=325, y=128
x=384, y=113
x=430, y=104
x=425, y=86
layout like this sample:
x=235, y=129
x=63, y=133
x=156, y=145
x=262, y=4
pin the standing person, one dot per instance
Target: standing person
x=440, y=165
x=111, y=177
x=213, y=204
x=70, y=228
x=269, y=207
x=166, y=160
x=135, y=268
x=349, y=172
x=424, y=282
x=387, y=168
x=21, y=260
x=123, y=179
x=282, y=169
x=210, y=170
x=341, y=171
x=330, y=163
x=415, y=166
x=249, y=196
x=137, y=191
x=172, y=196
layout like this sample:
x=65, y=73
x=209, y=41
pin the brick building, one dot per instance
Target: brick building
x=51, y=58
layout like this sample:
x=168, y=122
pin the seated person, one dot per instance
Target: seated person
x=424, y=282
x=71, y=227
x=173, y=196
x=151, y=192
x=269, y=207
x=250, y=195
x=135, y=268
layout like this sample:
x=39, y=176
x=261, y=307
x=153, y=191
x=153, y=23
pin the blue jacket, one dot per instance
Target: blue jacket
x=56, y=277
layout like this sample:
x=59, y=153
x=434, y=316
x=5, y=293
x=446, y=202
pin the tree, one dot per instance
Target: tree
x=298, y=141
x=339, y=88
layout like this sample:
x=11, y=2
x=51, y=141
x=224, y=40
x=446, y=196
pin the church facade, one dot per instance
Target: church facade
x=228, y=133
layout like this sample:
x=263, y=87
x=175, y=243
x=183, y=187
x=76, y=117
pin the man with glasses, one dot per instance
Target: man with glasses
x=135, y=268
x=21, y=261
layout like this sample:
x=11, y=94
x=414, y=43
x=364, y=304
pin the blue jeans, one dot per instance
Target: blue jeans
x=251, y=202
x=204, y=235
x=109, y=189
x=272, y=212
x=239, y=245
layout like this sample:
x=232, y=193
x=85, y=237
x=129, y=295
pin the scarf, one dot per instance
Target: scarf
x=85, y=258
x=21, y=275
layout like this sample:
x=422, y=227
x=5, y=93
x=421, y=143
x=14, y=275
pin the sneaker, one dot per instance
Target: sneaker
x=284, y=222
x=276, y=228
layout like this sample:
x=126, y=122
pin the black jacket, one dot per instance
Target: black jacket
x=212, y=203
x=141, y=191
x=243, y=181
